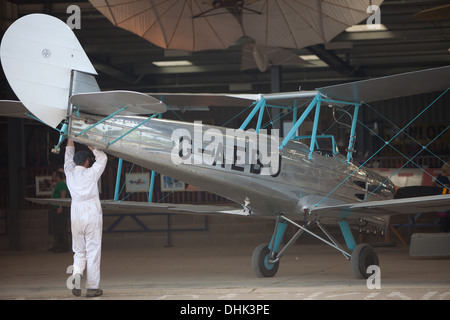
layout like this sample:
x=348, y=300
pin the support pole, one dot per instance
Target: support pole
x=152, y=181
x=317, y=237
x=351, y=143
x=347, y=233
x=62, y=137
x=314, y=131
x=260, y=103
x=119, y=172
x=131, y=130
x=291, y=133
x=277, y=237
x=101, y=121
x=152, y=186
x=294, y=112
x=260, y=116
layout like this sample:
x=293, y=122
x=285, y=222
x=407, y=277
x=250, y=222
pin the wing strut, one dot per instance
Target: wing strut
x=120, y=164
x=101, y=121
x=302, y=118
x=351, y=143
x=132, y=129
x=316, y=103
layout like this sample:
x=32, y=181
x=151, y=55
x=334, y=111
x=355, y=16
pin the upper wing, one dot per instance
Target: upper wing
x=383, y=208
x=231, y=100
x=111, y=206
x=400, y=85
x=205, y=99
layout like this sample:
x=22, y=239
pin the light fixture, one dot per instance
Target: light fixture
x=173, y=63
x=309, y=57
x=366, y=27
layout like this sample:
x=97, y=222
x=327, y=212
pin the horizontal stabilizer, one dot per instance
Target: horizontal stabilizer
x=108, y=102
x=401, y=85
x=14, y=109
x=130, y=207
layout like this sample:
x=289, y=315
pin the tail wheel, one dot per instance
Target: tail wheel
x=362, y=257
x=260, y=262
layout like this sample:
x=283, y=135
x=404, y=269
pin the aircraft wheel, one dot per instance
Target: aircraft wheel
x=260, y=262
x=362, y=257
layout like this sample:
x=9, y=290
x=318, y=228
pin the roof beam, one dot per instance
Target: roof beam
x=330, y=58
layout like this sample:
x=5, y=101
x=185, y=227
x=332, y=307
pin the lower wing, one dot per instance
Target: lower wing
x=354, y=211
x=376, y=209
x=111, y=206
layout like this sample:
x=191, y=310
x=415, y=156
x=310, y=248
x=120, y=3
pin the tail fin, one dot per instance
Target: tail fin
x=38, y=53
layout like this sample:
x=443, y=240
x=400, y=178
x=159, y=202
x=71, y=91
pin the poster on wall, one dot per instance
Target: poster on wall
x=137, y=182
x=44, y=186
x=414, y=138
x=171, y=184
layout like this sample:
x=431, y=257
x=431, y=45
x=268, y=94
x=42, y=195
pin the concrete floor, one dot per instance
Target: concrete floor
x=310, y=271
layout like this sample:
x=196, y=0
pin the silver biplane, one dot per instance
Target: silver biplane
x=264, y=175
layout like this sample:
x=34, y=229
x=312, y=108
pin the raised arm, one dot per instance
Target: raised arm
x=68, y=156
x=100, y=162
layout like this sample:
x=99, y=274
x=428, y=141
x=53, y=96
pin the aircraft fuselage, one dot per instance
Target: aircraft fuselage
x=245, y=167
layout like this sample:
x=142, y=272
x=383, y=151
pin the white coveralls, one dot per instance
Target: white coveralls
x=86, y=214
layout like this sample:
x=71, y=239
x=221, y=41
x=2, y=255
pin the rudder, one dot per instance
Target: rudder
x=38, y=53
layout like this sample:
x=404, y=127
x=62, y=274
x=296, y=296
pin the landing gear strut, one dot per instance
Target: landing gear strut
x=266, y=258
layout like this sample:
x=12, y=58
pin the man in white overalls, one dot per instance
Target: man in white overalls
x=86, y=214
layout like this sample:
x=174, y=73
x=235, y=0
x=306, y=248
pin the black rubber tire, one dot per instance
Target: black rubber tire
x=260, y=264
x=362, y=257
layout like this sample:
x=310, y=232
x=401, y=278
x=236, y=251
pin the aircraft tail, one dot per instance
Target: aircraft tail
x=42, y=60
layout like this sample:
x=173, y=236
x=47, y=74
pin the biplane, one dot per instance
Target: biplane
x=264, y=175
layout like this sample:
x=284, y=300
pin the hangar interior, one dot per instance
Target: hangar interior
x=125, y=61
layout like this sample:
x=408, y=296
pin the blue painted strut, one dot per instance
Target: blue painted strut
x=347, y=233
x=261, y=104
x=351, y=143
x=119, y=170
x=299, y=122
x=314, y=131
x=277, y=237
x=275, y=242
x=132, y=129
x=62, y=137
x=101, y=121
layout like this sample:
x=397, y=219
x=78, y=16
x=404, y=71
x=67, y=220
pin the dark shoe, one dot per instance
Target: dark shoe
x=76, y=292
x=94, y=293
